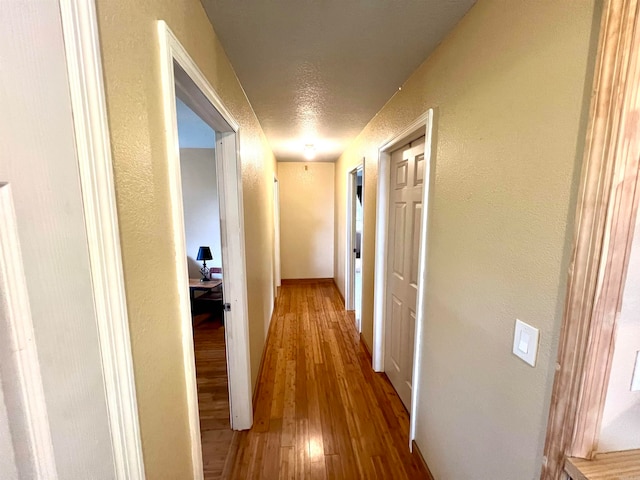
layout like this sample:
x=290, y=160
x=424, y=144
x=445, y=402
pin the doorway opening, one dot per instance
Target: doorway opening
x=403, y=250
x=404, y=179
x=355, y=218
x=277, y=277
x=197, y=142
x=184, y=83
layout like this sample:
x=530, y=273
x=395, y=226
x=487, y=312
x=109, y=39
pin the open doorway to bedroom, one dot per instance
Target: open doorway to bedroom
x=201, y=208
x=225, y=285
x=353, y=297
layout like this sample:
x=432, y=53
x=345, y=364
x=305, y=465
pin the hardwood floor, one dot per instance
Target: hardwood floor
x=219, y=442
x=321, y=411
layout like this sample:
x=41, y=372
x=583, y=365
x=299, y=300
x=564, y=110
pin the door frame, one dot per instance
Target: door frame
x=605, y=218
x=423, y=125
x=93, y=145
x=233, y=245
x=23, y=393
x=350, y=230
x=277, y=277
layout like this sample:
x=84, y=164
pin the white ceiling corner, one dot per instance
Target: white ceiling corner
x=318, y=71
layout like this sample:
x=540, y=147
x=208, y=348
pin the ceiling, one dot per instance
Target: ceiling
x=317, y=71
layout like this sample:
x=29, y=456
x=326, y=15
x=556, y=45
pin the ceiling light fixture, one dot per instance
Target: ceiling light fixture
x=309, y=151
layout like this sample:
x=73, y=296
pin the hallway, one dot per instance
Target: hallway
x=321, y=411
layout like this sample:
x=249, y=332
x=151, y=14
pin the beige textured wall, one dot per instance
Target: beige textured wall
x=128, y=32
x=306, y=219
x=510, y=88
x=621, y=416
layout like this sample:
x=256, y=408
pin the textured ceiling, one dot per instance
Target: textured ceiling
x=317, y=71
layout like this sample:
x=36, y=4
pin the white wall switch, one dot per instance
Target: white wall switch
x=525, y=342
x=635, y=383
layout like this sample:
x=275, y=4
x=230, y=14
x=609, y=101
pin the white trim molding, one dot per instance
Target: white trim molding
x=423, y=125
x=18, y=355
x=175, y=62
x=84, y=66
x=276, y=237
x=350, y=239
x=349, y=267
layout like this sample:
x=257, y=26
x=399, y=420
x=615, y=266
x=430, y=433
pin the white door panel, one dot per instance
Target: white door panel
x=405, y=212
x=408, y=351
x=402, y=170
x=8, y=463
x=415, y=245
x=26, y=440
x=38, y=160
x=399, y=224
x=396, y=337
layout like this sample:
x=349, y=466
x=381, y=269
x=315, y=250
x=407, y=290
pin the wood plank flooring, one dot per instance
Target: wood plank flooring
x=219, y=442
x=321, y=411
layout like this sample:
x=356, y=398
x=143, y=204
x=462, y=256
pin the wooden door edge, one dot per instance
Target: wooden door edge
x=605, y=218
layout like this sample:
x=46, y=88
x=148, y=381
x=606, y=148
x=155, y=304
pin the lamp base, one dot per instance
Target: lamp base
x=204, y=271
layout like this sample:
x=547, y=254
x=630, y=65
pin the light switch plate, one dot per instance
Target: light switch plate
x=525, y=342
x=635, y=383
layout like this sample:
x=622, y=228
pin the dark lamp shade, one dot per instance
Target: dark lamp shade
x=204, y=253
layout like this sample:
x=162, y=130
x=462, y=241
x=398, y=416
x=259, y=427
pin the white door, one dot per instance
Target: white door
x=39, y=174
x=405, y=212
x=8, y=464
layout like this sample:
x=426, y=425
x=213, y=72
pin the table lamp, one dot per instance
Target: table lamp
x=204, y=254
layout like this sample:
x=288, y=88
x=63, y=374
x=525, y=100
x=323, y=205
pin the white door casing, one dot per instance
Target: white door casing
x=350, y=240
x=174, y=58
x=405, y=213
x=8, y=461
x=352, y=296
x=86, y=85
x=423, y=125
x=23, y=404
x=276, y=236
x=359, y=262
x=60, y=174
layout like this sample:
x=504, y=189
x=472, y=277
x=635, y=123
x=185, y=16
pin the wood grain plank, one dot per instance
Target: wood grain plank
x=606, y=466
x=330, y=415
x=219, y=442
